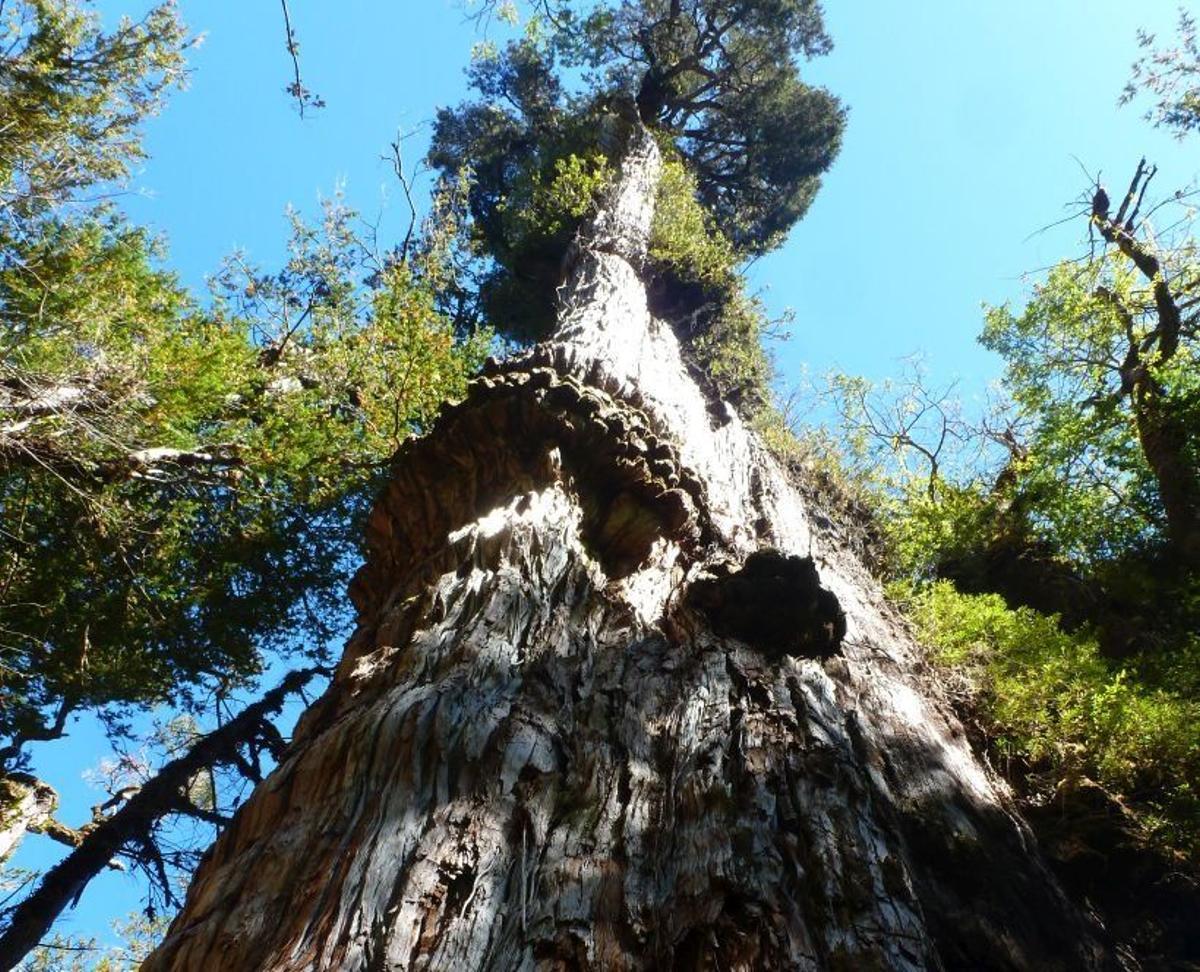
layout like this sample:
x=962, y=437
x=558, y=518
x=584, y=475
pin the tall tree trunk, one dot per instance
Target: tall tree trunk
x=580, y=726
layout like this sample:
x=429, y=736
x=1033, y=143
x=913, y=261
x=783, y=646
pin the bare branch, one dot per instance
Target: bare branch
x=63, y=883
x=304, y=97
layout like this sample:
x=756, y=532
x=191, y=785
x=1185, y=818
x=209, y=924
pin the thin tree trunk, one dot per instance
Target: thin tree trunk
x=162, y=794
x=1164, y=433
x=1166, y=442
x=580, y=726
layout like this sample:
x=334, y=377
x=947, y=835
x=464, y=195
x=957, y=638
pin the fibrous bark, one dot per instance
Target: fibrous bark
x=558, y=739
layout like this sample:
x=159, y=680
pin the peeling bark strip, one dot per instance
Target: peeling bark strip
x=539, y=751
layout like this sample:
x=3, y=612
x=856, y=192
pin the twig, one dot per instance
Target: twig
x=296, y=89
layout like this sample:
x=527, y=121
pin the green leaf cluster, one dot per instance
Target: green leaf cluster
x=545, y=209
x=1051, y=703
x=695, y=285
x=721, y=78
x=922, y=532
x=1060, y=471
x=131, y=574
x=73, y=97
x=179, y=480
x=534, y=161
x=1084, y=477
x=1034, y=544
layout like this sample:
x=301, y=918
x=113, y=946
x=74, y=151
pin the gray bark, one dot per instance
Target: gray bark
x=540, y=751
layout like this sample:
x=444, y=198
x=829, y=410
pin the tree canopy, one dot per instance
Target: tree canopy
x=179, y=477
x=179, y=481
x=73, y=99
x=720, y=84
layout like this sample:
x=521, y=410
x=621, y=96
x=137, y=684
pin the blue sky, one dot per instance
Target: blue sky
x=964, y=120
x=964, y=117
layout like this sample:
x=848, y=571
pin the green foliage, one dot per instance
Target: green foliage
x=1084, y=476
x=722, y=80
x=1168, y=75
x=178, y=488
x=536, y=174
x=719, y=84
x=534, y=160
x=923, y=532
x=73, y=98
x=730, y=352
x=683, y=236
x=1053, y=704
x=181, y=482
x=540, y=216
x=138, y=935
x=1036, y=543
x=1061, y=467
x=549, y=208
x=695, y=286
x=904, y=453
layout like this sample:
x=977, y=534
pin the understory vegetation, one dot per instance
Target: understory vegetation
x=1046, y=546
x=1054, y=711
x=1030, y=548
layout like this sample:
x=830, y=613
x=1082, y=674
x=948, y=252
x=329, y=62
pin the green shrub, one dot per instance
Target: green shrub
x=538, y=217
x=1048, y=699
x=545, y=209
x=925, y=532
x=683, y=235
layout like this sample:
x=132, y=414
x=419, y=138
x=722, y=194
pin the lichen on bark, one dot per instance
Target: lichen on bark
x=26, y=804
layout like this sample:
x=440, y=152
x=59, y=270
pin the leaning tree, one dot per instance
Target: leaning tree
x=619, y=695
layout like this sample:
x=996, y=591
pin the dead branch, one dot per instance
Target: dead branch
x=133, y=822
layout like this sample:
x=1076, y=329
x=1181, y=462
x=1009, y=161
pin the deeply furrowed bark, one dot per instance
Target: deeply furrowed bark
x=545, y=747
